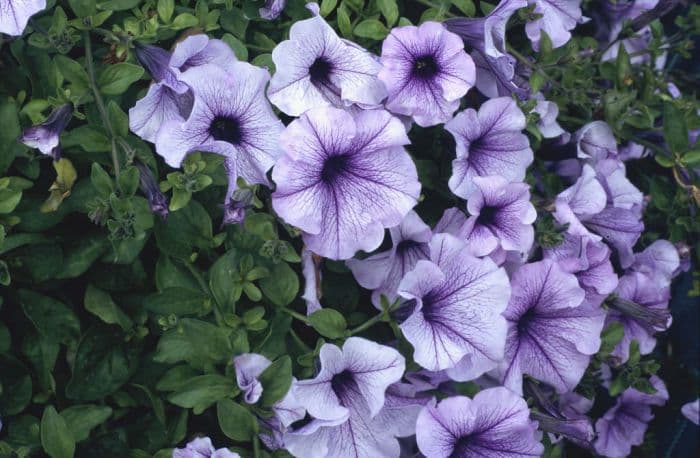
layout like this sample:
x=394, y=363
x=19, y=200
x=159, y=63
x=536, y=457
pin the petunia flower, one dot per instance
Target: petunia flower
x=344, y=178
x=46, y=136
x=691, y=411
x=272, y=9
x=595, y=141
x=548, y=112
x=383, y=271
x=552, y=332
x=489, y=142
x=230, y=117
x=426, y=72
x=641, y=306
x=248, y=367
x=315, y=68
x=169, y=98
x=148, y=185
x=14, y=14
x=310, y=266
x=352, y=409
x=456, y=322
x=624, y=424
x=589, y=260
x=660, y=261
x=501, y=216
x=202, y=447
x=495, y=423
x=559, y=17
x=620, y=191
x=579, y=202
x=485, y=39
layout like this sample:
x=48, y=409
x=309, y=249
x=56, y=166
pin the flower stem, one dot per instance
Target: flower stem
x=294, y=314
x=368, y=324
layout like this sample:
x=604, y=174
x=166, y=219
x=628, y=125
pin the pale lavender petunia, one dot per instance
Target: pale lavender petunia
x=501, y=216
x=660, y=261
x=344, y=179
x=198, y=50
x=456, y=321
x=595, y=141
x=548, y=112
x=383, y=271
x=311, y=270
x=641, y=306
x=552, y=331
x=495, y=423
x=315, y=68
x=489, y=142
x=485, y=39
x=624, y=424
x=426, y=71
x=558, y=18
x=589, y=260
x=46, y=136
x=230, y=117
x=14, y=14
x=620, y=191
x=272, y=9
x=202, y=447
x=691, y=411
x=579, y=202
x=248, y=367
x=620, y=228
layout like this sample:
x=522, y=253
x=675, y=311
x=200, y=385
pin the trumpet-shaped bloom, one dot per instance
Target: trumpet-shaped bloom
x=489, y=142
x=383, y=271
x=272, y=9
x=14, y=14
x=660, y=261
x=495, y=423
x=426, y=72
x=624, y=424
x=202, y=447
x=456, y=322
x=501, y=216
x=230, y=117
x=584, y=199
x=344, y=178
x=551, y=335
x=315, y=68
x=559, y=17
x=46, y=136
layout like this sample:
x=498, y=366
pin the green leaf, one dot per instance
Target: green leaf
x=119, y=119
x=692, y=157
x=235, y=421
x=465, y=6
x=200, y=392
x=327, y=7
x=56, y=438
x=118, y=5
x=88, y=138
x=116, y=79
x=281, y=286
x=81, y=254
x=236, y=45
x=83, y=418
x=329, y=323
x=165, y=9
x=51, y=318
x=223, y=276
x=184, y=20
x=179, y=301
x=9, y=120
x=675, y=128
x=371, y=28
x=16, y=386
x=344, y=23
x=184, y=231
x=83, y=8
x=101, y=304
x=390, y=11
x=42, y=353
x=72, y=71
x=276, y=381
x=198, y=342
x=611, y=336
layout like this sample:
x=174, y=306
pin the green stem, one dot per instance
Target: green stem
x=256, y=447
x=296, y=315
x=525, y=61
x=445, y=12
x=100, y=103
x=368, y=324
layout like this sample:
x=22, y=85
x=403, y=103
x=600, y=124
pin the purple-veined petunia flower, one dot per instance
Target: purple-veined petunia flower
x=485, y=39
x=501, y=216
x=344, y=178
x=46, y=136
x=169, y=98
x=595, y=141
x=495, y=423
x=202, y=447
x=272, y=9
x=641, y=306
x=691, y=411
x=620, y=228
x=14, y=14
x=230, y=117
x=559, y=17
x=383, y=271
x=149, y=187
x=350, y=403
x=660, y=261
x=248, y=367
x=620, y=192
x=624, y=424
x=456, y=321
x=582, y=200
x=426, y=71
x=548, y=112
x=552, y=331
x=589, y=260
x=311, y=269
x=489, y=142
x=315, y=68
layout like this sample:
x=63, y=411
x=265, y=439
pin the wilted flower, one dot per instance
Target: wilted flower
x=202, y=447
x=383, y=271
x=426, y=72
x=691, y=411
x=14, y=14
x=624, y=425
x=149, y=187
x=46, y=136
x=230, y=117
x=495, y=423
x=312, y=280
x=249, y=366
x=315, y=68
x=272, y=9
x=456, y=322
x=345, y=177
x=489, y=142
x=559, y=17
x=552, y=332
